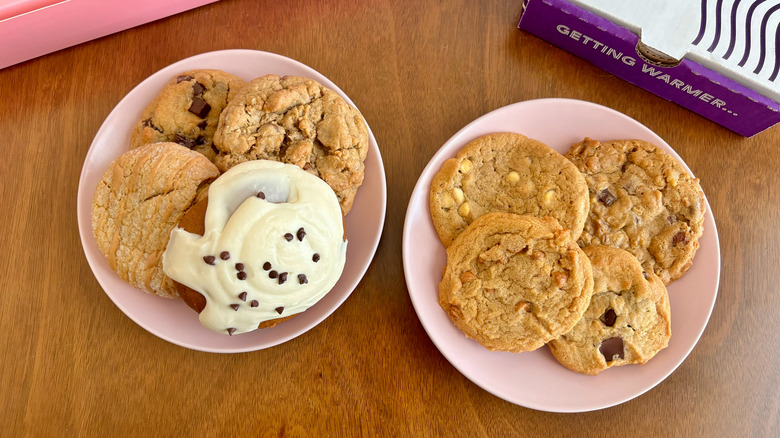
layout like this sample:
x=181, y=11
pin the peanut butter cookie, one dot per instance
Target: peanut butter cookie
x=510, y=173
x=643, y=201
x=298, y=121
x=187, y=111
x=513, y=283
x=628, y=320
x=140, y=199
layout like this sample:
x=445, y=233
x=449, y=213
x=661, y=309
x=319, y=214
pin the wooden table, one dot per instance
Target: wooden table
x=74, y=365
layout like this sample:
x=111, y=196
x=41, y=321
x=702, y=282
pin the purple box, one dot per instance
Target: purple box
x=619, y=51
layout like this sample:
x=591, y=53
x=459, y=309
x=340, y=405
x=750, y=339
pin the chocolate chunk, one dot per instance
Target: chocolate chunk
x=239, y=266
x=203, y=124
x=288, y=237
x=282, y=277
x=184, y=141
x=224, y=255
x=198, y=88
x=273, y=274
x=300, y=234
x=183, y=78
x=209, y=259
x=609, y=317
x=266, y=266
x=199, y=107
x=279, y=310
x=241, y=275
x=612, y=349
x=315, y=258
x=606, y=197
x=242, y=296
x=679, y=237
x=235, y=307
x=302, y=279
x=231, y=330
x=261, y=195
x=254, y=303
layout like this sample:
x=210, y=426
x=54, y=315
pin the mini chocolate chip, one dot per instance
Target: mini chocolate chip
x=235, y=307
x=606, y=197
x=224, y=255
x=242, y=296
x=199, y=107
x=612, y=347
x=184, y=141
x=679, y=237
x=301, y=232
x=261, y=195
x=288, y=237
x=609, y=317
x=254, y=303
x=315, y=258
x=203, y=124
x=282, y=277
x=183, y=78
x=197, y=88
x=209, y=259
x=266, y=266
x=273, y=274
x=279, y=310
x=239, y=266
x=241, y=275
x=231, y=330
x=302, y=279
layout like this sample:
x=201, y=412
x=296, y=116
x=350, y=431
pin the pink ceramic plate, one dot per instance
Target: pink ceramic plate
x=535, y=379
x=172, y=320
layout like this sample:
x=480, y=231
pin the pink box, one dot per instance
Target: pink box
x=31, y=28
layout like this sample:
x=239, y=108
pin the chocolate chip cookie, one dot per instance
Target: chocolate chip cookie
x=187, y=111
x=513, y=283
x=298, y=121
x=641, y=200
x=511, y=173
x=628, y=320
x=142, y=195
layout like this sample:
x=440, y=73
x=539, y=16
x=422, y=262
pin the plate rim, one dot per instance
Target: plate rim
x=420, y=191
x=84, y=218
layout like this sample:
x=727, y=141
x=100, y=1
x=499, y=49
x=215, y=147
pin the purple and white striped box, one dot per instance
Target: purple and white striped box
x=718, y=58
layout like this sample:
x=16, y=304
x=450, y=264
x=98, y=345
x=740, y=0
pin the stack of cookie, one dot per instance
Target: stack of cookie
x=206, y=124
x=572, y=251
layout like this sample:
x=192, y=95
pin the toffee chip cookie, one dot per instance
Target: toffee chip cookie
x=187, y=111
x=511, y=173
x=643, y=201
x=628, y=320
x=513, y=283
x=142, y=196
x=296, y=120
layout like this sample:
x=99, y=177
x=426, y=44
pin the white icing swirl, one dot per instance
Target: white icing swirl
x=299, y=217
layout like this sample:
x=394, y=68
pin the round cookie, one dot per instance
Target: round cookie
x=513, y=283
x=511, y=173
x=139, y=200
x=187, y=111
x=297, y=121
x=643, y=201
x=628, y=320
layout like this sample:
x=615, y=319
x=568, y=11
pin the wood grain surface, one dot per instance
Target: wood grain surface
x=72, y=364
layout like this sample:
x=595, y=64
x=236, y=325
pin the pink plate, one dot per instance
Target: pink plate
x=172, y=320
x=535, y=379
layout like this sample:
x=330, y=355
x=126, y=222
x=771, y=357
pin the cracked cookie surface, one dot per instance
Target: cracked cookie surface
x=643, y=201
x=298, y=121
x=142, y=195
x=513, y=283
x=187, y=111
x=628, y=320
x=506, y=172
